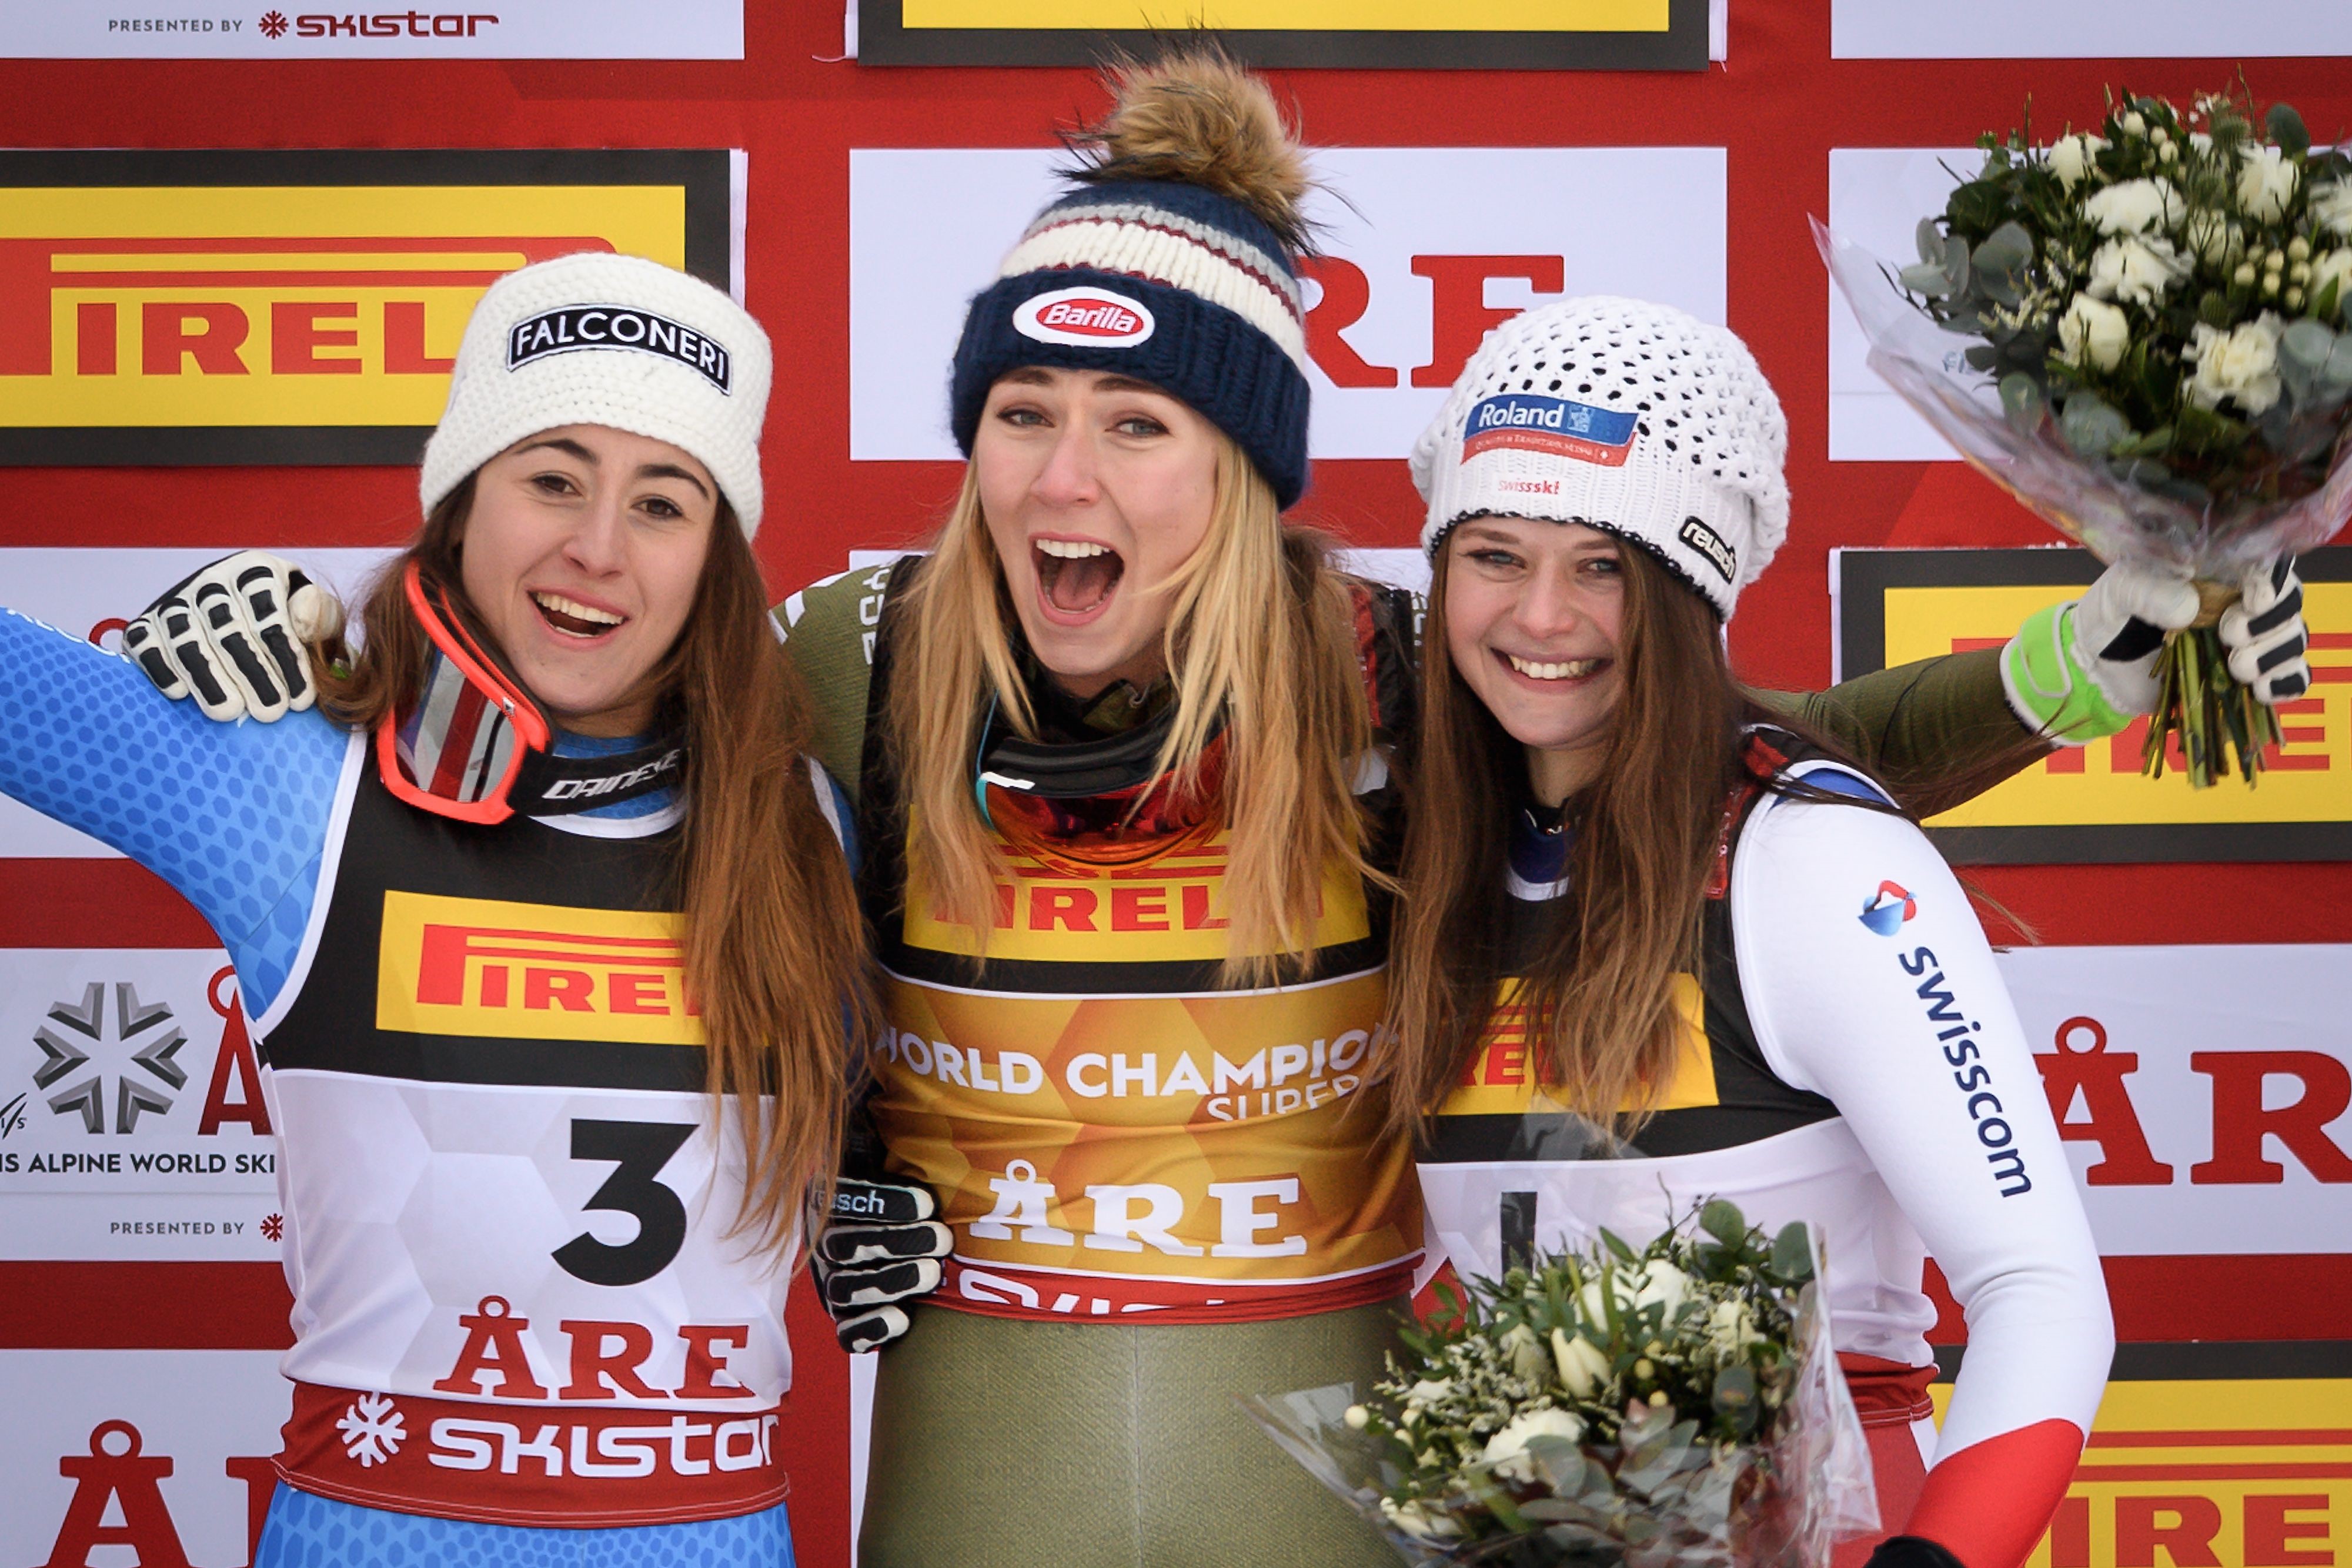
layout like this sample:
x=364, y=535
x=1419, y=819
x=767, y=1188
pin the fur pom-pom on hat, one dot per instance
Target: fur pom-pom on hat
x=1173, y=260
x=1197, y=119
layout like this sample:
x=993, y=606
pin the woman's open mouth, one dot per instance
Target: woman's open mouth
x=572, y=619
x=1076, y=578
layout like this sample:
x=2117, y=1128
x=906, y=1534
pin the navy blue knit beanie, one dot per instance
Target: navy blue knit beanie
x=1172, y=262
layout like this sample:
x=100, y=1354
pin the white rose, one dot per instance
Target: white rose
x=1732, y=1327
x=2241, y=365
x=1418, y=1521
x=2134, y=206
x=1662, y=1282
x=2071, y=156
x=2212, y=237
x=1589, y=1298
x=2137, y=271
x=2336, y=268
x=2132, y=122
x=1582, y=1367
x=1357, y=1417
x=1429, y=1391
x=2331, y=205
x=1506, y=1449
x=2092, y=333
x=2266, y=183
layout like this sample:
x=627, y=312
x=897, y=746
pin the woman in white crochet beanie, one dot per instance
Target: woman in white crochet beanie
x=1640, y=899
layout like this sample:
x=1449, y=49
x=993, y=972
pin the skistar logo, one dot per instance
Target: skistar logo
x=533, y=971
x=1091, y=318
x=1886, y=911
x=380, y=24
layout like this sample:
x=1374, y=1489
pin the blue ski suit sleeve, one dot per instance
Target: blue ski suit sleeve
x=232, y=816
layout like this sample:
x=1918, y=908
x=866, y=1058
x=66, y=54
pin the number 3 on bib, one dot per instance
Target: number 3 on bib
x=641, y=1149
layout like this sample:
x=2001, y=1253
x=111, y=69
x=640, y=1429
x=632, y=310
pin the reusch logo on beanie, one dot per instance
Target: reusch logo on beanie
x=1093, y=317
x=577, y=328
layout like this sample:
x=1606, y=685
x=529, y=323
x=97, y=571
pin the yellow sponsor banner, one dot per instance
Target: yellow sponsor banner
x=1172, y=909
x=2093, y=803
x=532, y=971
x=1323, y=15
x=2256, y=1472
x=1209, y=1137
x=1504, y=1078
x=223, y=315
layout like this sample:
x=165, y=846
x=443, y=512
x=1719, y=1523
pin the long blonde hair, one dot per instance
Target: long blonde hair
x=775, y=956
x=1261, y=631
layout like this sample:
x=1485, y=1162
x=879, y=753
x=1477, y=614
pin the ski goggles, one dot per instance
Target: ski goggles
x=1097, y=804
x=474, y=745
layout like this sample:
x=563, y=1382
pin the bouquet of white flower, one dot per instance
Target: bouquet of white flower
x=2136, y=332
x=1676, y=1407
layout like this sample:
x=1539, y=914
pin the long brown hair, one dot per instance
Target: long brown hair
x=1601, y=994
x=1260, y=629
x=775, y=957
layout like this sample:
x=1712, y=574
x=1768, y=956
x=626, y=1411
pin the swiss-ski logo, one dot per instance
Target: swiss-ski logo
x=1094, y=317
x=1888, y=909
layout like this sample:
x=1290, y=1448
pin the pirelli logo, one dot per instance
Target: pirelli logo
x=533, y=971
x=2091, y=803
x=1504, y=1076
x=298, y=308
x=1172, y=909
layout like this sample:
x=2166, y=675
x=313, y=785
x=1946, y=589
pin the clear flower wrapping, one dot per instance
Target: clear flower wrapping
x=1674, y=1408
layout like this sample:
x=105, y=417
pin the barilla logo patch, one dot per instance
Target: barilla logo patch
x=1888, y=909
x=1552, y=425
x=1093, y=317
x=1710, y=543
x=576, y=328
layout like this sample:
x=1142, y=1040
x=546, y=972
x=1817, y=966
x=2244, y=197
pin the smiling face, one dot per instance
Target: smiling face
x=1096, y=489
x=582, y=553
x=1535, y=614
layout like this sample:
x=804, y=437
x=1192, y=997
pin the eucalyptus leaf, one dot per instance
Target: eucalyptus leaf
x=2022, y=402
x=1928, y=278
x=1929, y=237
x=2092, y=428
x=1793, y=1252
x=1721, y=1218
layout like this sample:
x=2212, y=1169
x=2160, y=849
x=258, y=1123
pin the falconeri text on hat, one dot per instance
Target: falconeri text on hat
x=616, y=340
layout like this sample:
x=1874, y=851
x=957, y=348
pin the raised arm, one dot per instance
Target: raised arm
x=234, y=816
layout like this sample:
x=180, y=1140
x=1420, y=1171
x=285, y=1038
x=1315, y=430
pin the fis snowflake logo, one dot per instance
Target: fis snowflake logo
x=146, y=1031
x=273, y=24
x=372, y=1430
x=1888, y=909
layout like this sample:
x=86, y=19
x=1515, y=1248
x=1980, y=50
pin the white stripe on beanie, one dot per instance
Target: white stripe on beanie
x=615, y=340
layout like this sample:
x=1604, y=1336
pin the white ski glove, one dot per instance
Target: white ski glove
x=233, y=635
x=2085, y=669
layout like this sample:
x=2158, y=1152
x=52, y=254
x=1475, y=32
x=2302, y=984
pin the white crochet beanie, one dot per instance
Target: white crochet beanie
x=1629, y=417
x=616, y=340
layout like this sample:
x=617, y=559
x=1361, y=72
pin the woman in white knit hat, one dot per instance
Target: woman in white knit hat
x=538, y=911
x=1643, y=902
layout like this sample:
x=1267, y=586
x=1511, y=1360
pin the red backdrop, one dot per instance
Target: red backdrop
x=1778, y=107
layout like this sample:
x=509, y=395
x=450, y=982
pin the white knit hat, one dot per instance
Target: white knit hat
x=1630, y=417
x=616, y=340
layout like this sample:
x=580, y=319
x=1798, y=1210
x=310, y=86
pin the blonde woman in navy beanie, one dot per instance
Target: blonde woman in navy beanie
x=538, y=909
x=1646, y=903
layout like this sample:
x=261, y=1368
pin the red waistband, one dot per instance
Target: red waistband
x=1887, y=1393
x=531, y=1464
x=1001, y=1291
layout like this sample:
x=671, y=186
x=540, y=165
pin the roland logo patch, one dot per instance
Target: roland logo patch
x=1092, y=317
x=1710, y=543
x=1555, y=426
x=577, y=328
